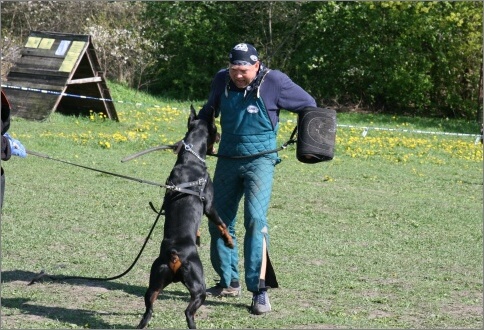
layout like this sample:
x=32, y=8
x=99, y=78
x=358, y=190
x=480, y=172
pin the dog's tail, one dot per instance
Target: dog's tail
x=175, y=262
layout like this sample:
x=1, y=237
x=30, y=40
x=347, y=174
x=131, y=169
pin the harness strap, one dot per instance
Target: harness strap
x=185, y=188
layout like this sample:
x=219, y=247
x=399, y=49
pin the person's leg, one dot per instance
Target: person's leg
x=258, y=189
x=227, y=195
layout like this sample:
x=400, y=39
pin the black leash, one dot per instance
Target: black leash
x=43, y=275
x=180, y=188
x=183, y=188
x=38, y=154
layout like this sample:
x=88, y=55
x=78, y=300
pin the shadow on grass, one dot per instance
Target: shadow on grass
x=27, y=276
x=79, y=317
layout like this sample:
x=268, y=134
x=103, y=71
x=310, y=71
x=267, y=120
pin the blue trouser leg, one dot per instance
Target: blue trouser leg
x=258, y=188
x=227, y=194
x=232, y=179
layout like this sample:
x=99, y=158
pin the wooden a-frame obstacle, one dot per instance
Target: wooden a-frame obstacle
x=58, y=72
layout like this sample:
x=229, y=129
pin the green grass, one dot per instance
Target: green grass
x=386, y=235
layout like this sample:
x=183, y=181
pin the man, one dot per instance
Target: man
x=248, y=97
x=9, y=145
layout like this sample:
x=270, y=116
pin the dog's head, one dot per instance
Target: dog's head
x=213, y=136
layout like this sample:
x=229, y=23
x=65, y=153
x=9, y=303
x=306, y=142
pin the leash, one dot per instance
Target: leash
x=38, y=154
x=43, y=275
x=174, y=147
x=180, y=188
x=162, y=147
x=183, y=188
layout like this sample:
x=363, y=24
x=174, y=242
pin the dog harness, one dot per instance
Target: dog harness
x=196, y=188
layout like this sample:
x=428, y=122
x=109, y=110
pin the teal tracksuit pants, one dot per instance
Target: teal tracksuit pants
x=235, y=179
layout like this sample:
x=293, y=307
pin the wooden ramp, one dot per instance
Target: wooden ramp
x=58, y=72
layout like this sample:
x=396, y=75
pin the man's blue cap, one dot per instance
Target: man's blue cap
x=243, y=54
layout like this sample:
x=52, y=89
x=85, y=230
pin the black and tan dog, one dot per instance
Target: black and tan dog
x=188, y=199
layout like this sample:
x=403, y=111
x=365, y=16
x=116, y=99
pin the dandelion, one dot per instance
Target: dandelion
x=403, y=148
x=105, y=144
x=327, y=178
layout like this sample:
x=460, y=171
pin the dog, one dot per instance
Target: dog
x=189, y=198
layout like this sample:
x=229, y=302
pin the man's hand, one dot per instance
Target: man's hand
x=16, y=147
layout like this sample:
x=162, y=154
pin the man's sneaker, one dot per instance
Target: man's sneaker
x=260, y=303
x=219, y=291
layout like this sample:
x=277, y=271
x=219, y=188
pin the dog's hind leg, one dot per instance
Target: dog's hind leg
x=160, y=276
x=195, y=283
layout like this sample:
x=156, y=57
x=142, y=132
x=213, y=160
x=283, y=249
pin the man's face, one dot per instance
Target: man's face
x=242, y=75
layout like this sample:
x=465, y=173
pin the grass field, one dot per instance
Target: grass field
x=386, y=235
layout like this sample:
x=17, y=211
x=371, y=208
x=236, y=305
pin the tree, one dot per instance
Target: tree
x=421, y=58
x=412, y=57
x=196, y=37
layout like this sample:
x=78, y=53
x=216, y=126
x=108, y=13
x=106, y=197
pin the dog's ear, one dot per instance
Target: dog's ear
x=193, y=112
x=193, y=115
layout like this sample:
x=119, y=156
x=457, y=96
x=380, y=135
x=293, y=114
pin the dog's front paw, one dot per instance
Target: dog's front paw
x=226, y=236
x=228, y=241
